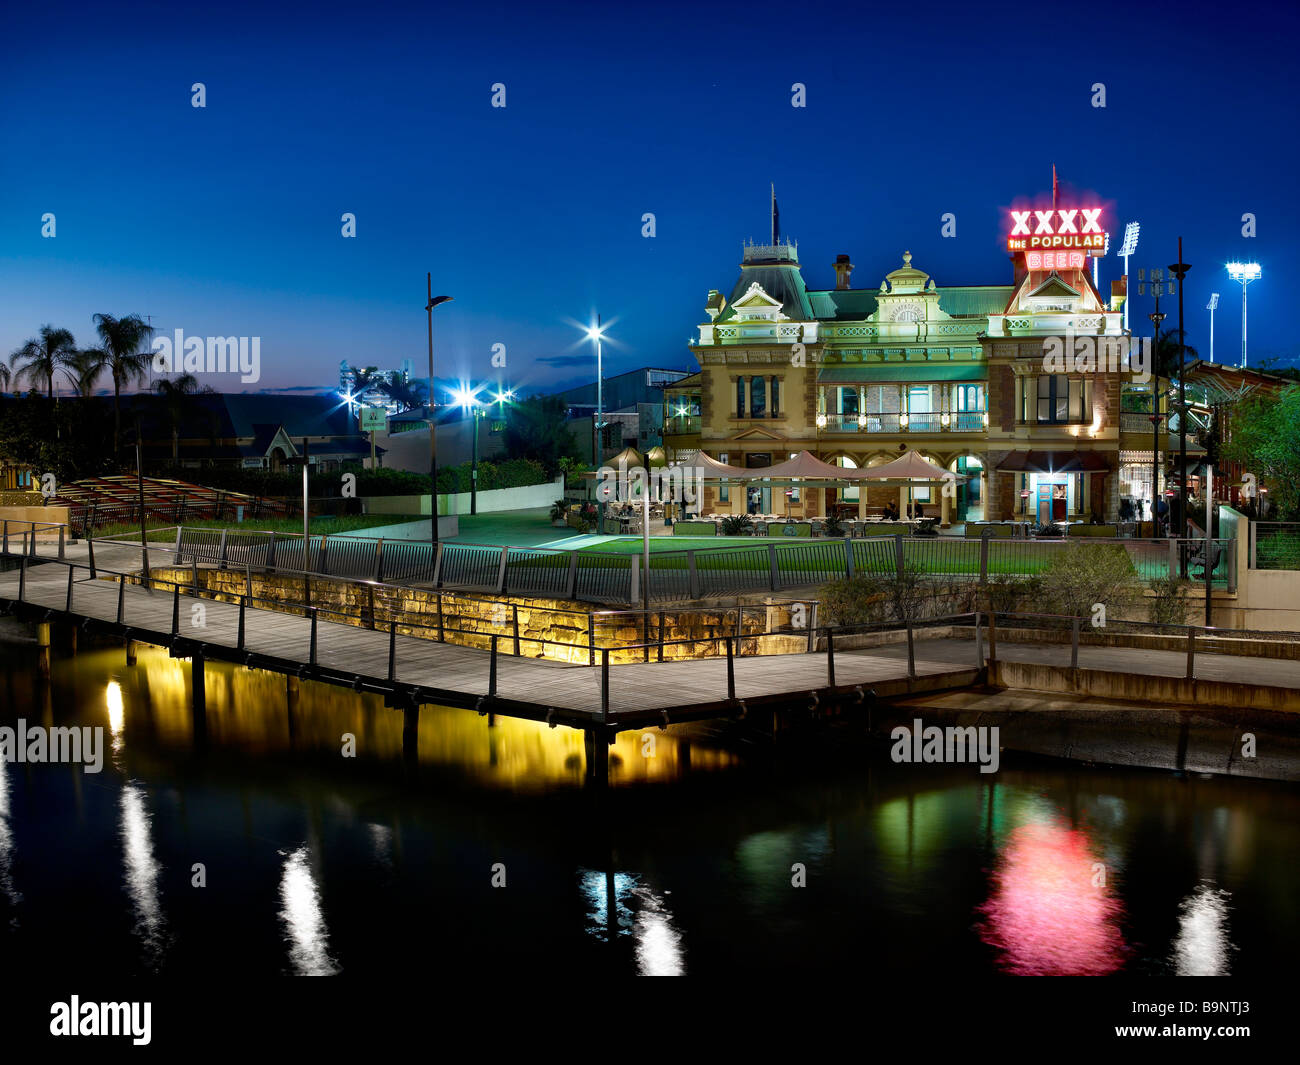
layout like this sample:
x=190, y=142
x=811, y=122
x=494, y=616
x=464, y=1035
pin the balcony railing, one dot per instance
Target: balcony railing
x=960, y=422
x=679, y=424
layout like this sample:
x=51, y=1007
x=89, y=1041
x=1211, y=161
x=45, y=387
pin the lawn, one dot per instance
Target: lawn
x=324, y=523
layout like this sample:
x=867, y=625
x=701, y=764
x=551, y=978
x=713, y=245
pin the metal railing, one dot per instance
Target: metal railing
x=1275, y=545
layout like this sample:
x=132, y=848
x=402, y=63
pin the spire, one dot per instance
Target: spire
x=1054, y=186
x=776, y=217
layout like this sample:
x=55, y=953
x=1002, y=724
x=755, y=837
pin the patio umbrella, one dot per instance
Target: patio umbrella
x=906, y=467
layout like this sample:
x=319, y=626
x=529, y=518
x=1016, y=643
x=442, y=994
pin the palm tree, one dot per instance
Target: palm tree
x=122, y=339
x=176, y=398
x=1167, y=364
x=83, y=369
x=40, y=358
x=5, y=377
x=406, y=395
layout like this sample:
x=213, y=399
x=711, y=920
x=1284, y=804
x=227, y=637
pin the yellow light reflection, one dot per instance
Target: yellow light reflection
x=116, y=712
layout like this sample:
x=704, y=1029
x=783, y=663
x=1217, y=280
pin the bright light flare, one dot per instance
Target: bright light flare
x=1131, y=231
x=1244, y=271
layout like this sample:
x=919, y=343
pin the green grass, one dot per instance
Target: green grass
x=321, y=524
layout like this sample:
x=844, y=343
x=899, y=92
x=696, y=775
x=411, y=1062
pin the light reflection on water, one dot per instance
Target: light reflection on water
x=691, y=872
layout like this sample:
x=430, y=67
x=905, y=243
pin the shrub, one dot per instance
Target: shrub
x=558, y=510
x=1169, y=607
x=1007, y=594
x=1081, y=575
x=1047, y=529
x=833, y=526
x=737, y=525
x=857, y=600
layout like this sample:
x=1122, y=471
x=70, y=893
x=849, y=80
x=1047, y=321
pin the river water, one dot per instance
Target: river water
x=263, y=849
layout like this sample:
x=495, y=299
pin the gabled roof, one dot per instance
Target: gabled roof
x=782, y=281
x=1053, y=285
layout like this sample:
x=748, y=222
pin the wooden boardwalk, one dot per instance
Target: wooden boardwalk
x=427, y=671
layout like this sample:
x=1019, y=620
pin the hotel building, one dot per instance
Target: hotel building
x=1018, y=389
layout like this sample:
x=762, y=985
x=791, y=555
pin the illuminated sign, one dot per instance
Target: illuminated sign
x=1054, y=260
x=1058, y=229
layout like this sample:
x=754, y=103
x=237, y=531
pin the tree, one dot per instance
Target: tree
x=122, y=339
x=1263, y=435
x=405, y=394
x=1167, y=357
x=83, y=368
x=535, y=429
x=41, y=357
x=176, y=395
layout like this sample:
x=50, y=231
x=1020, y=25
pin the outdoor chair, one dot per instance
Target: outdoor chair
x=1197, y=558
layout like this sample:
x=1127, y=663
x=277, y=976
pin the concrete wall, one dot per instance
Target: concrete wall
x=498, y=499
x=21, y=518
x=1267, y=599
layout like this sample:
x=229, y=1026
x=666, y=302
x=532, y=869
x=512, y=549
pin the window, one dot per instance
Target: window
x=918, y=399
x=848, y=401
x=776, y=397
x=724, y=490
x=740, y=397
x=757, y=397
x=1063, y=399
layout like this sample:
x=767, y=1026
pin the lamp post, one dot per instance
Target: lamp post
x=1245, y=273
x=1212, y=306
x=597, y=334
x=1157, y=283
x=1179, y=271
x=433, y=426
x=1129, y=246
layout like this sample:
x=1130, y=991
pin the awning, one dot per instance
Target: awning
x=910, y=466
x=1053, y=462
x=884, y=373
x=804, y=464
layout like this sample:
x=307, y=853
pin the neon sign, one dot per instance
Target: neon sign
x=1054, y=260
x=1074, y=228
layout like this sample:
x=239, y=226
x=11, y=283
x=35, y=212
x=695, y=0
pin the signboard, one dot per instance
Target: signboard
x=1058, y=229
x=374, y=419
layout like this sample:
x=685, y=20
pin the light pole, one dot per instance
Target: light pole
x=597, y=334
x=1179, y=271
x=1126, y=249
x=467, y=399
x=1212, y=306
x=433, y=427
x=1157, y=283
x=1245, y=273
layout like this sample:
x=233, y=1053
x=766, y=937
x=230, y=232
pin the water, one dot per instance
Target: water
x=315, y=863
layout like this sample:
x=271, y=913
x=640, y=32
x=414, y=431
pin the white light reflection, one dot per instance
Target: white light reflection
x=638, y=913
x=1202, y=947
x=7, y=846
x=142, y=870
x=303, y=917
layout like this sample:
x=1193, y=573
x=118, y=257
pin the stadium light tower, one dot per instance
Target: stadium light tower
x=1211, y=307
x=1245, y=273
x=1125, y=250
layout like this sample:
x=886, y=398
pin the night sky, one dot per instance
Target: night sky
x=226, y=219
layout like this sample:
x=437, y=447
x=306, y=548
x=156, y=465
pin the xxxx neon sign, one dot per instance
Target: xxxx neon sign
x=1057, y=228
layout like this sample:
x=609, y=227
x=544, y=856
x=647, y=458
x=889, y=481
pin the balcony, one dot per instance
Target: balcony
x=960, y=422
x=682, y=425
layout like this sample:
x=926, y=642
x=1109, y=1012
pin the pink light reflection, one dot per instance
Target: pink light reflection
x=1045, y=915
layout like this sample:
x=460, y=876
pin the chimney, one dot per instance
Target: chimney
x=843, y=268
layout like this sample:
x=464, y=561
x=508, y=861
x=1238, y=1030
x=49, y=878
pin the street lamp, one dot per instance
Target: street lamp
x=433, y=427
x=1245, y=273
x=597, y=334
x=1179, y=271
x=1126, y=249
x=1157, y=283
x=1212, y=306
x=467, y=399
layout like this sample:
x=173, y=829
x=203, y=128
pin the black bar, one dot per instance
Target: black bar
x=90, y=544
x=392, y=650
x=239, y=643
x=661, y=636
x=604, y=683
x=731, y=671
x=492, y=669
x=176, y=609
x=591, y=639
x=830, y=658
x=312, y=659
x=68, y=605
x=514, y=610
x=441, y=634
x=121, y=597
x=911, y=651
x=22, y=576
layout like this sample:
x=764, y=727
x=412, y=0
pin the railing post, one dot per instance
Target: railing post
x=239, y=641
x=848, y=556
x=1173, y=557
x=812, y=628
x=68, y=605
x=911, y=651
x=1074, y=643
x=501, y=571
x=176, y=609
x=692, y=576
x=221, y=550
x=270, y=553
x=604, y=684
x=514, y=610
x=312, y=658
x=442, y=636
x=731, y=671
x=492, y=669
x=437, y=565
x=22, y=577
x=195, y=580
x=985, y=537
x=830, y=658
x=774, y=572
x=993, y=636
x=979, y=642
x=1191, y=653
x=591, y=639
x=90, y=547
x=121, y=598
x=61, y=543
x=392, y=650
x=634, y=578
x=370, y=605
x=899, y=565
x=5, y=548
x=176, y=551
x=573, y=575
x=379, y=560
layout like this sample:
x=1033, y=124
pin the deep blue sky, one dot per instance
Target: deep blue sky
x=227, y=219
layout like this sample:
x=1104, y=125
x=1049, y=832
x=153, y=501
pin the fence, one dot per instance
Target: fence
x=1275, y=545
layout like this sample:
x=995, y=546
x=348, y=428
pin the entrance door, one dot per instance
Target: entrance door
x=1043, y=511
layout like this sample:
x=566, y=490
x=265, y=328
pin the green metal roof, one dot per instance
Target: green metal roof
x=781, y=281
x=975, y=300
x=901, y=371
x=843, y=304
